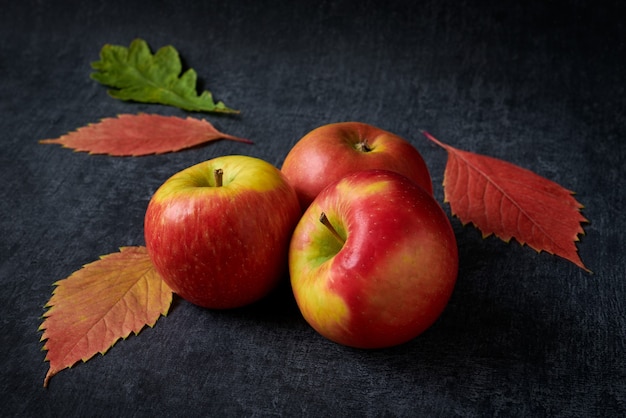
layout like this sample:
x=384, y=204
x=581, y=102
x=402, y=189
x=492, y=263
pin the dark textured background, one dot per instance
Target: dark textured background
x=539, y=83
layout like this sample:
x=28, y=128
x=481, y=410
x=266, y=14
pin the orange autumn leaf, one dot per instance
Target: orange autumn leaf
x=142, y=134
x=508, y=201
x=97, y=305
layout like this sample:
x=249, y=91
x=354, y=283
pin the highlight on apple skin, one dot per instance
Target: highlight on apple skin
x=387, y=271
x=335, y=150
x=218, y=232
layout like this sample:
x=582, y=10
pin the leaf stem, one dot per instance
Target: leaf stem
x=435, y=140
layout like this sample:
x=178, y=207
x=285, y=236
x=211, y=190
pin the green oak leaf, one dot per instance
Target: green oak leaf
x=139, y=76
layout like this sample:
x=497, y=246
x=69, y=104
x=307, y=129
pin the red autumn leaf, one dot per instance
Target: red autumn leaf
x=511, y=202
x=97, y=305
x=142, y=134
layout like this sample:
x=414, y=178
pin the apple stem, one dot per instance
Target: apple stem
x=218, y=177
x=324, y=220
x=363, y=146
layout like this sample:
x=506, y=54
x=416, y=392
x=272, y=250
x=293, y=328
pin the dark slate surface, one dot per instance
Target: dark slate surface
x=540, y=84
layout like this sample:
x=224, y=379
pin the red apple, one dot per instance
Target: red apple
x=218, y=232
x=332, y=151
x=379, y=267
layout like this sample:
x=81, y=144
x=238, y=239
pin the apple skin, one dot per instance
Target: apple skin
x=222, y=247
x=393, y=276
x=332, y=151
